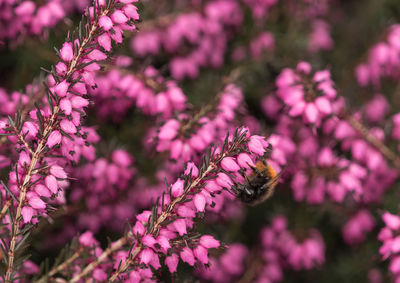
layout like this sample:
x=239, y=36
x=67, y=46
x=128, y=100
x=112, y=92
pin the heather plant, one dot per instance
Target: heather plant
x=202, y=141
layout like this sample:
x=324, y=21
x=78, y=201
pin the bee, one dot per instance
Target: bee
x=259, y=185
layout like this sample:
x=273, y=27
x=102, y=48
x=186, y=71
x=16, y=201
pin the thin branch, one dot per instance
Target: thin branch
x=61, y=266
x=371, y=139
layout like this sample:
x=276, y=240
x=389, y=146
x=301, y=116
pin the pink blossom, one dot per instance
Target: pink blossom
x=67, y=53
x=172, y=262
x=187, y=256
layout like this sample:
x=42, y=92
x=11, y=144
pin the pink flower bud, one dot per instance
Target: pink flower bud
x=61, y=88
x=209, y=242
x=176, y=149
x=67, y=53
x=391, y=220
x=164, y=243
x=54, y=138
x=37, y=203
x=256, y=145
x=42, y=191
x=67, y=126
x=229, y=164
x=180, y=226
x=58, y=172
x=394, y=266
x=131, y=12
x=201, y=254
x=187, y=256
x=224, y=180
x=104, y=41
x=311, y=113
x=172, y=262
x=24, y=158
x=244, y=160
x=66, y=106
x=169, y=130
x=61, y=69
x=199, y=202
x=121, y=157
x=27, y=213
x=51, y=183
x=144, y=216
x=97, y=55
x=323, y=105
x=106, y=23
x=177, y=188
x=185, y=211
x=87, y=239
x=79, y=102
x=26, y=8
x=138, y=228
x=118, y=17
x=190, y=167
x=149, y=241
x=146, y=256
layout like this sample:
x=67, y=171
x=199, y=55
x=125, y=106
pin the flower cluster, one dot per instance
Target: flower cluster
x=186, y=136
x=280, y=244
x=117, y=92
x=354, y=231
x=166, y=231
x=203, y=35
x=280, y=250
x=55, y=129
x=312, y=97
x=390, y=238
x=100, y=184
x=383, y=60
x=19, y=18
x=191, y=195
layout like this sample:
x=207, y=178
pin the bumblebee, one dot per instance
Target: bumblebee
x=259, y=185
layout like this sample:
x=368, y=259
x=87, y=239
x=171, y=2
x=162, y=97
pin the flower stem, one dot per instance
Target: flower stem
x=371, y=139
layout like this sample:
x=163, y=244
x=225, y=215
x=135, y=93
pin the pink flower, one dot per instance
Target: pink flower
x=105, y=22
x=187, y=256
x=209, y=242
x=391, y=220
x=177, y=188
x=61, y=88
x=199, y=202
x=51, y=183
x=201, y=254
x=118, y=17
x=244, y=160
x=229, y=164
x=224, y=180
x=58, y=172
x=146, y=256
x=169, y=130
x=87, y=239
x=172, y=262
x=37, y=203
x=68, y=126
x=394, y=266
x=191, y=168
x=54, y=139
x=27, y=213
x=67, y=53
x=257, y=145
x=180, y=226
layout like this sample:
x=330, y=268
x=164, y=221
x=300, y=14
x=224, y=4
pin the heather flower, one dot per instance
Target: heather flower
x=311, y=97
